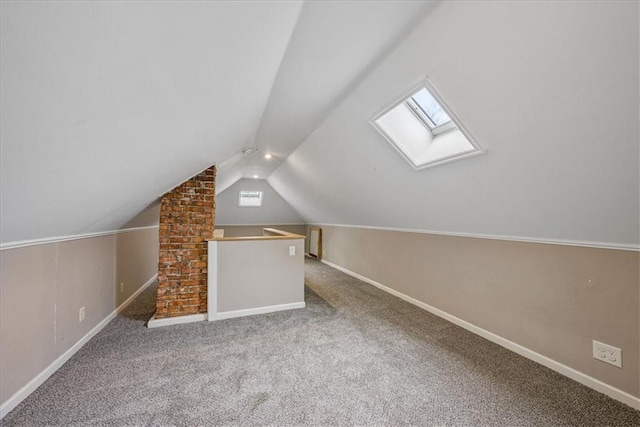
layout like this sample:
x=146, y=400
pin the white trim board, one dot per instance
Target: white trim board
x=178, y=320
x=548, y=241
x=258, y=310
x=565, y=370
x=212, y=279
x=259, y=225
x=47, y=240
x=155, y=323
x=37, y=381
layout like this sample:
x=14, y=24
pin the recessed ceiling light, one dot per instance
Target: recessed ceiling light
x=268, y=156
x=255, y=176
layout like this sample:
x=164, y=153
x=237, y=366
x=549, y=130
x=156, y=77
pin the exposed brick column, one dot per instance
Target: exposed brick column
x=186, y=219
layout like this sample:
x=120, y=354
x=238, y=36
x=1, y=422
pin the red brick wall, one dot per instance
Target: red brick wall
x=186, y=219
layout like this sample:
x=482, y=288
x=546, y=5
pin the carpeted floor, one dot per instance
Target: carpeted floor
x=354, y=356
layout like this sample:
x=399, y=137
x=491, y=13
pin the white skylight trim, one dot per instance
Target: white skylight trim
x=424, y=130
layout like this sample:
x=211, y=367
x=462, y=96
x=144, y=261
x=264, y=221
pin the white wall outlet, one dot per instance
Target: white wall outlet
x=607, y=353
x=292, y=250
x=121, y=286
x=81, y=314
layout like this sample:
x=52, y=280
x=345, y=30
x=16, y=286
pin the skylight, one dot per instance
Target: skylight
x=423, y=129
x=430, y=107
x=430, y=112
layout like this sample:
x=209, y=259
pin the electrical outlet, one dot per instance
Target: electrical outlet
x=292, y=250
x=607, y=353
x=81, y=314
x=121, y=286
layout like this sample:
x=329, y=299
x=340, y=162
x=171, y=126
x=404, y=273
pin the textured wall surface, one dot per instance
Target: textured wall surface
x=186, y=219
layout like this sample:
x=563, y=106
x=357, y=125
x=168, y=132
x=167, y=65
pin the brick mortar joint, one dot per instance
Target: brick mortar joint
x=187, y=214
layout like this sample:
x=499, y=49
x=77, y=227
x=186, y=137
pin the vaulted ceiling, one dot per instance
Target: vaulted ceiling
x=107, y=105
x=549, y=89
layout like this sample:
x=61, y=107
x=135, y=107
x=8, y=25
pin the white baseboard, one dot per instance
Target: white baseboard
x=258, y=310
x=565, y=370
x=155, y=323
x=178, y=320
x=37, y=381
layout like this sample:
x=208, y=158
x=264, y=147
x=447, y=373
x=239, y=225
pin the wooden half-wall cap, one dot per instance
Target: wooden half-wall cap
x=273, y=234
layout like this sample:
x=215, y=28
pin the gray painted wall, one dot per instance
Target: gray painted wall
x=136, y=261
x=547, y=298
x=43, y=287
x=259, y=273
x=274, y=210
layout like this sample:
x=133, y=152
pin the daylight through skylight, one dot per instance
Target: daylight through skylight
x=430, y=107
x=422, y=128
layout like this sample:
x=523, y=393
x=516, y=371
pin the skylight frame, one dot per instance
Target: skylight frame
x=456, y=123
x=417, y=110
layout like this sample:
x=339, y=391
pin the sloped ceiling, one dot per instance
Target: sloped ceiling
x=274, y=210
x=107, y=105
x=549, y=88
x=332, y=47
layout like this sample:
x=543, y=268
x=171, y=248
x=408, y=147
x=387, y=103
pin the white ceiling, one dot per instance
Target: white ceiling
x=332, y=47
x=550, y=89
x=107, y=105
